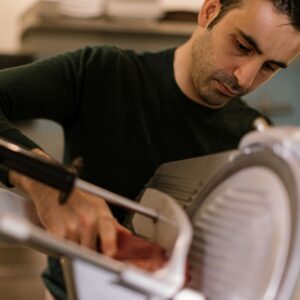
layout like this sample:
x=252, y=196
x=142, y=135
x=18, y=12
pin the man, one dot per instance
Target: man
x=125, y=113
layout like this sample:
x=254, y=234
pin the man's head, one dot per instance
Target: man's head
x=240, y=44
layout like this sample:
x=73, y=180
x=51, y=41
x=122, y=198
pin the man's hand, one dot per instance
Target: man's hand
x=85, y=218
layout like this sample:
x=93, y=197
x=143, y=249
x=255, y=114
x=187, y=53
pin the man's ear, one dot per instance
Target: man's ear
x=208, y=12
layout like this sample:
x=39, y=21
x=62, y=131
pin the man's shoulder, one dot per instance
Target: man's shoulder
x=113, y=51
x=240, y=116
x=103, y=53
x=114, y=56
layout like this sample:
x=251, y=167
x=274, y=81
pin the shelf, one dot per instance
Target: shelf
x=45, y=32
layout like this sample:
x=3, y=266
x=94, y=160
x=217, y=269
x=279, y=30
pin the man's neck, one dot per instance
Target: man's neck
x=182, y=67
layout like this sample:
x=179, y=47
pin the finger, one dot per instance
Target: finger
x=89, y=235
x=56, y=228
x=72, y=232
x=108, y=235
x=122, y=229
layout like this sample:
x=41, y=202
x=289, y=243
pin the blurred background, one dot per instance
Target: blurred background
x=32, y=30
x=10, y=11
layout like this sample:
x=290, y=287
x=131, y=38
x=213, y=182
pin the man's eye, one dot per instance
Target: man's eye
x=270, y=67
x=241, y=47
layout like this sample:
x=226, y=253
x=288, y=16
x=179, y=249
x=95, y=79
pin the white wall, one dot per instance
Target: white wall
x=10, y=11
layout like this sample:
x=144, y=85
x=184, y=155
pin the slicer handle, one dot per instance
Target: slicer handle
x=36, y=167
x=60, y=177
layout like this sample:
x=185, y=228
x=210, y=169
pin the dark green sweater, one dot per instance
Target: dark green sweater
x=122, y=112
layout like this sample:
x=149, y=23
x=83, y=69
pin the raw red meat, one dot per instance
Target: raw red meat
x=140, y=252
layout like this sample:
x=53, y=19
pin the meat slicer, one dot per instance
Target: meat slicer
x=242, y=207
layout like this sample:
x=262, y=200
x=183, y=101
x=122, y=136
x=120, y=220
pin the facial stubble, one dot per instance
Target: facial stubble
x=204, y=73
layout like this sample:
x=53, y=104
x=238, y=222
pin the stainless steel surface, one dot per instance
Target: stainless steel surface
x=115, y=277
x=244, y=221
x=184, y=179
x=244, y=206
x=245, y=217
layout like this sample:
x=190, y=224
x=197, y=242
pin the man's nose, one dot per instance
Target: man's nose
x=246, y=74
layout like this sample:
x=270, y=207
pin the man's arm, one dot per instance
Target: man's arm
x=52, y=89
x=85, y=219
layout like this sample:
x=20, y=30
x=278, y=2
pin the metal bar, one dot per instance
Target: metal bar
x=118, y=200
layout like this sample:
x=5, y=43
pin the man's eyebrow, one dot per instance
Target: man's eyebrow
x=251, y=41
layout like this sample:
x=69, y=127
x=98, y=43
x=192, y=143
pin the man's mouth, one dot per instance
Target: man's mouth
x=225, y=90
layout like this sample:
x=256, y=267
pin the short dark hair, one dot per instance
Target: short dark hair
x=291, y=8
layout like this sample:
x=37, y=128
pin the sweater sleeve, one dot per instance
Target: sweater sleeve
x=48, y=89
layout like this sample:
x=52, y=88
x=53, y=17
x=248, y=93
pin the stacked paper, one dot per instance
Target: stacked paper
x=82, y=8
x=192, y=6
x=150, y=9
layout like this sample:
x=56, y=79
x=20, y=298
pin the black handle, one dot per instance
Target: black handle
x=36, y=167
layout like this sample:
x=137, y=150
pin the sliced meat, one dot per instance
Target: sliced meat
x=140, y=252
